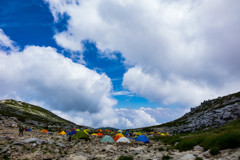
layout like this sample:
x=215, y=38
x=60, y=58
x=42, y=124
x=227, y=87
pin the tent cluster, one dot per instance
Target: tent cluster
x=121, y=138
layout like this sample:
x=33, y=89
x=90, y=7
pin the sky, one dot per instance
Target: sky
x=115, y=63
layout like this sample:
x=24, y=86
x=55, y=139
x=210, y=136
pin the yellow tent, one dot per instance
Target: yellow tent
x=94, y=134
x=77, y=130
x=62, y=133
x=119, y=134
x=138, y=133
x=159, y=133
x=44, y=130
x=167, y=134
x=151, y=132
x=85, y=132
x=162, y=134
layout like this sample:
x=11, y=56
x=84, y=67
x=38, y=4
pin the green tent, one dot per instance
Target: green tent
x=107, y=139
x=81, y=135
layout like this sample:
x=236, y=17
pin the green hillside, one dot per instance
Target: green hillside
x=24, y=111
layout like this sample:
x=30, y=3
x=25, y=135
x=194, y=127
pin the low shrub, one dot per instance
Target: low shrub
x=166, y=157
x=189, y=142
x=125, y=158
x=214, y=151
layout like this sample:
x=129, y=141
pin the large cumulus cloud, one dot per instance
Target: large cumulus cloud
x=187, y=44
x=42, y=74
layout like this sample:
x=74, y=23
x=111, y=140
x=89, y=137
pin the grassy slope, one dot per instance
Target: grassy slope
x=227, y=136
x=23, y=111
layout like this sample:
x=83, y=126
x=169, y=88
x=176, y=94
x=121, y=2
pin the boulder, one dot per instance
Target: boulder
x=207, y=154
x=29, y=140
x=198, y=148
x=226, y=115
x=188, y=157
x=4, y=149
x=47, y=156
x=60, y=144
x=5, y=138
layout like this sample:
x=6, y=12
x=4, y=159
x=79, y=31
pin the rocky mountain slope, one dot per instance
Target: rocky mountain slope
x=32, y=115
x=210, y=114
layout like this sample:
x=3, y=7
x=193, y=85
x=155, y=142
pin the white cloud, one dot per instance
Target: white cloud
x=119, y=93
x=189, y=47
x=40, y=74
x=6, y=42
x=118, y=118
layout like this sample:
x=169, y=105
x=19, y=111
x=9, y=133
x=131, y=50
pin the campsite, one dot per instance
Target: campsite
x=88, y=144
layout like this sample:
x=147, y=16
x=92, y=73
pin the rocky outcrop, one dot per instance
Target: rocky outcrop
x=210, y=114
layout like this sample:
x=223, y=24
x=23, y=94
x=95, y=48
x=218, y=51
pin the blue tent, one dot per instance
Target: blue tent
x=72, y=133
x=142, y=138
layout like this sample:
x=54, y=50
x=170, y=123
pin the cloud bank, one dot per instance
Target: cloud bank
x=188, y=45
x=41, y=76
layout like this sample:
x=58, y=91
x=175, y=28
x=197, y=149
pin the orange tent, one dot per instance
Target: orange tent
x=99, y=130
x=116, y=138
x=44, y=130
x=100, y=134
x=107, y=130
x=119, y=134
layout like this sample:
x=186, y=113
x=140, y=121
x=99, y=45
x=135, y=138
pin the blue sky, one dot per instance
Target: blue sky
x=121, y=60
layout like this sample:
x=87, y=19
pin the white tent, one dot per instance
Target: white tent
x=123, y=140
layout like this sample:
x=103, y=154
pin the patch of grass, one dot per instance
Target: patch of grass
x=166, y=157
x=161, y=149
x=5, y=157
x=168, y=140
x=125, y=158
x=214, y=151
x=225, y=137
x=188, y=143
x=198, y=158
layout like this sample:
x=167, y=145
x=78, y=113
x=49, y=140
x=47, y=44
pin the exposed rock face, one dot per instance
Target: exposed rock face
x=210, y=114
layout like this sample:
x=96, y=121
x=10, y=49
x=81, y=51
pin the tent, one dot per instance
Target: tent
x=116, y=138
x=94, y=134
x=123, y=140
x=62, y=133
x=151, y=132
x=142, y=138
x=119, y=130
x=77, y=130
x=99, y=130
x=107, y=139
x=72, y=133
x=100, y=134
x=120, y=135
x=29, y=129
x=81, y=135
x=138, y=133
x=162, y=134
x=85, y=131
x=44, y=130
x=107, y=130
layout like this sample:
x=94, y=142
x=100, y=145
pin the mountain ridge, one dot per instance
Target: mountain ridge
x=209, y=114
x=33, y=115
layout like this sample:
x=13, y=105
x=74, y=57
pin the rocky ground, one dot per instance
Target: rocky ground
x=35, y=145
